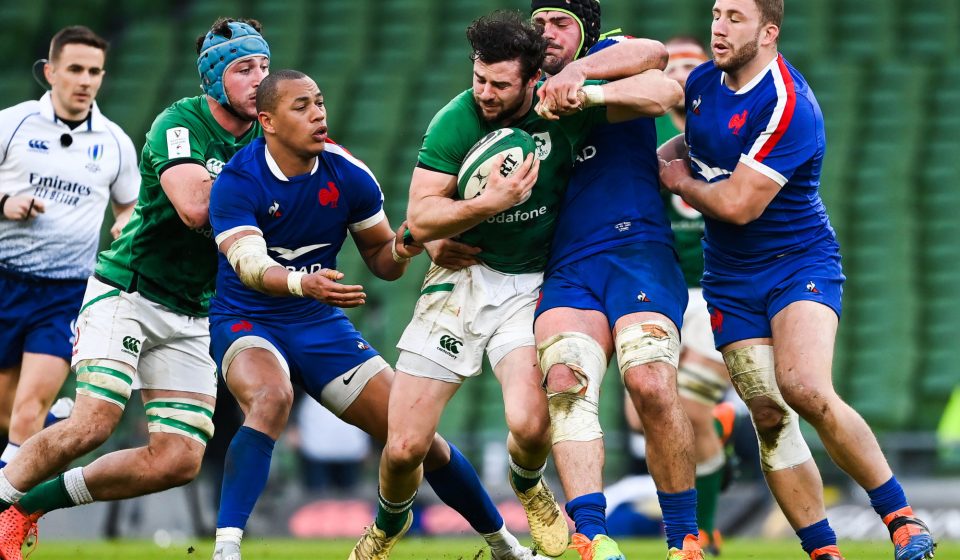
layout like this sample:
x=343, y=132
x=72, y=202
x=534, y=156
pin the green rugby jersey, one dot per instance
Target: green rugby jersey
x=516, y=240
x=157, y=254
x=687, y=222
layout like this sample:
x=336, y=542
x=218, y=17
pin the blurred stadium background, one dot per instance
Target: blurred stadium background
x=886, y=73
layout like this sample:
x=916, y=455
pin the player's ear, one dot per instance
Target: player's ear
x=48, y=72
x=770, y=34
x=266, y=122
x=536, y=78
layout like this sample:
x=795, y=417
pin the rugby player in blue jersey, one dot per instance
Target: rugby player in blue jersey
x=281, y=210
x=613, y=283
x=750, y=161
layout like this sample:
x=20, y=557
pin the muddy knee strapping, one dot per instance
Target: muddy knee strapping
x=754, y=376
x=574, y=411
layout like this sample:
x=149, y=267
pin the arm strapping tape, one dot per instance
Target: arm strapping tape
x=248, y=257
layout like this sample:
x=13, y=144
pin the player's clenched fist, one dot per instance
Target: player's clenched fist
x=324, y=286
x=22, y=207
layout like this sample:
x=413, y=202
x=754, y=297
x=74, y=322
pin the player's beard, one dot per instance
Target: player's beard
x=506, y=114
x=740, y=57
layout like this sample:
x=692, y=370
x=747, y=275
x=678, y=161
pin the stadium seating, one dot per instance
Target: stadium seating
x=884, y=71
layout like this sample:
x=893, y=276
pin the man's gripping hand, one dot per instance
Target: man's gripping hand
x=502, y=192
x=324, y=286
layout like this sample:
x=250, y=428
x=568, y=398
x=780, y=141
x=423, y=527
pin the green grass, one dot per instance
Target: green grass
x=431, y=549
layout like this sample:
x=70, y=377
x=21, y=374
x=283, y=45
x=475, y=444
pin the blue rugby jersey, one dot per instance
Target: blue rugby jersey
x=304, y=220
x=613, y=197
x=774, y=125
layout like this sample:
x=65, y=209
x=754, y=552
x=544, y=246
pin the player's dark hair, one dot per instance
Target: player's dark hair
x=76, y=34
x=507, y=35
x=268, y=92
x=221, y=27
x=771, y=11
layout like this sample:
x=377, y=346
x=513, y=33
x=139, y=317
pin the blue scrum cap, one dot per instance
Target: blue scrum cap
x=218, y=53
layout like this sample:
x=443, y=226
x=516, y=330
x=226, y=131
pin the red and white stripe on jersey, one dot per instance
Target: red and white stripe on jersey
x=334, y=148
x=779, y=121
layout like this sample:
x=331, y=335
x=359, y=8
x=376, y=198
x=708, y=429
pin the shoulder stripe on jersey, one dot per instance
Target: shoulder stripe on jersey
x=226, y=234
x=369, y=222
x=7, y=146
x=782, y=112
x=339, y=150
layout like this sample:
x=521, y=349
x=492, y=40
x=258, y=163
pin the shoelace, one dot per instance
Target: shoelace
x=542, y=505
x=582, y=545
x=369, y=544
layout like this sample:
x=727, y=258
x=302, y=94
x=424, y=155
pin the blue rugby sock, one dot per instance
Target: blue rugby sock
x=888, y=497
x=244, y=476
x=458, y=486
x=815, y=536
x=589, y=514
x=679, y=516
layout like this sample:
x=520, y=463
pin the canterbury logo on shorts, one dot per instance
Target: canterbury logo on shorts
x=450, y=345
x=131, y=345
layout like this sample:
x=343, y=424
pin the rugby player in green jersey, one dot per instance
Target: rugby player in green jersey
x=489, y=306
x=144, y=314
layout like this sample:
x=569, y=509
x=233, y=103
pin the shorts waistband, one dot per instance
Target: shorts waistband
x=31, y=279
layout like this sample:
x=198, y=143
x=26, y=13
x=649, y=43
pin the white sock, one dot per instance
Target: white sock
x=77, y=487
x=501, y=541
x=8, y=493
x=229, y=534
x=532, y=474
x=9, y=453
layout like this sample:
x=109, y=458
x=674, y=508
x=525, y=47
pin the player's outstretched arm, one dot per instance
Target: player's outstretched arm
x=648, y=94
x=740, y=199
x=188, y=187
x=384, y=251
x=247, y=253
x=627, y=57
x=433, y=213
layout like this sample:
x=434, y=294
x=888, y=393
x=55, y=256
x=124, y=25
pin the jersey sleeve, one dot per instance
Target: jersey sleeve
x=782, y=137
x=366, y=210
x=608, y=42
x=233, y=204
x=450, y=135
x=11, y=119
x=126, y=186
x=171, y=141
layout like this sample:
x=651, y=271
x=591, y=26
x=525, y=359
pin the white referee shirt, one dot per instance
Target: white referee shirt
x=74, y=182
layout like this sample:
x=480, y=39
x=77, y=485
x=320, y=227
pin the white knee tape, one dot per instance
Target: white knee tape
x=753, y=374
x=574, y=413
x=108, y=380
x=186, y=417
x=647, y=342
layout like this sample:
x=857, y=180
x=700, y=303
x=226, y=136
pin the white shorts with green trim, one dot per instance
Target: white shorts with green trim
x=461, y=314
x=696, y=333
x=168, y=350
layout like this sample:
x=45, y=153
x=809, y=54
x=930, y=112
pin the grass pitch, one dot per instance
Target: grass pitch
x=430, y=549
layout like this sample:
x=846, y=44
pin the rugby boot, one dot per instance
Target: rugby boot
x=374, y=544
x=911, y=537
x=711, y=542
x=226, y=551
x=601, y=547
x=548, y=526
x=691, y=550
x=831, y=552
x=517, y=552
x=16, y=528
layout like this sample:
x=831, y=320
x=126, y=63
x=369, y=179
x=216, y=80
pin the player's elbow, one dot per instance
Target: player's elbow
x=194, y=216
x=741, y=213
x=671, y=95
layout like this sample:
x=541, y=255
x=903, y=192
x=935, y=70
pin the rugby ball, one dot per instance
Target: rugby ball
x=514, y=144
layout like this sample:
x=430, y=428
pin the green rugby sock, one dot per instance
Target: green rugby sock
x=392, y=517
x=524, y=479
x=47, y=496
x=708, y=494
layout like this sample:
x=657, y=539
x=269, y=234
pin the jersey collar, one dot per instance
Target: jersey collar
x=753, y=81
x=275, y=169
x=94, y=122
